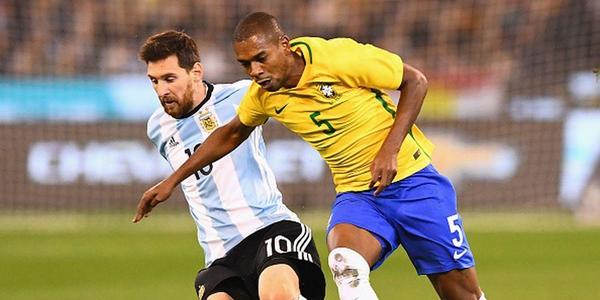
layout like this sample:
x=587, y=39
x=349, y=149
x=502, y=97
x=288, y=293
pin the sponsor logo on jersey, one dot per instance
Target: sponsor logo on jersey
x=279, y=110
x=172, y=142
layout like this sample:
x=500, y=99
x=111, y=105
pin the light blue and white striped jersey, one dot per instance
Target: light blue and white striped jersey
x=236, y=195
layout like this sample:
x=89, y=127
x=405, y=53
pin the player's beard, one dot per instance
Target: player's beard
x=179, y=107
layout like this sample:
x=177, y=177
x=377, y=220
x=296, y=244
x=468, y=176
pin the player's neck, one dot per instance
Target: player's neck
x=297, y=66
x=200, y=94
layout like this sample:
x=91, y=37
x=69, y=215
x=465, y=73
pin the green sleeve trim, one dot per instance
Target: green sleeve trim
x=393, y=113
x=385, y=105
x=307, y=47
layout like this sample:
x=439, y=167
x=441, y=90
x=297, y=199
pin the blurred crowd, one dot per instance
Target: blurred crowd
x=530, y=46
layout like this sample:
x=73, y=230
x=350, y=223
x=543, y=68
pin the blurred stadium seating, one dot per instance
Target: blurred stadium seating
x=513, y=104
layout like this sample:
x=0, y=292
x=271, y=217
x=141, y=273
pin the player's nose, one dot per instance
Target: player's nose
x=255, y=69
x=162, y=89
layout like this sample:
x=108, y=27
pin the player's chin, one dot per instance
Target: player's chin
x=271, y=86
x=174, y=112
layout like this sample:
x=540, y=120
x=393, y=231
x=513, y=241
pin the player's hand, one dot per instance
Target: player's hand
x=152, y=197
x=383, y=170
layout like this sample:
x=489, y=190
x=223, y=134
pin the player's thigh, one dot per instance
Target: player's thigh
x=429, y=226
x=291, y=244
x=358, y=239
x=436, y=243
x=219, y=280
x=278, y=281
x=232, y=288
x=358, y=223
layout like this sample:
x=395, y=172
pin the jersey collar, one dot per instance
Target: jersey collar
x=306, y=53
x=209, y=90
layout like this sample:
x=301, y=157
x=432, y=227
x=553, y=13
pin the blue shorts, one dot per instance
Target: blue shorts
x=418, y=212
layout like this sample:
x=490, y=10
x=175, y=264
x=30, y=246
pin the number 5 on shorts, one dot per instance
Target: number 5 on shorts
x=455, y=228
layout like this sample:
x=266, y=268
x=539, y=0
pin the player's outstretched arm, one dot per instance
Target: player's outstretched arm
x=413, y=90
x=220, y=143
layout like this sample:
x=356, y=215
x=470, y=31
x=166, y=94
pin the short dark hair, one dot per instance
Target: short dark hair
x=258, y=23
x=167, y=43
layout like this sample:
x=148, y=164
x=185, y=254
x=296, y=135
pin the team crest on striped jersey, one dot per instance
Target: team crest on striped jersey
x=208, y=121
x=327, y=90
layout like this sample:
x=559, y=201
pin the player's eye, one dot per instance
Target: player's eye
x=245, y=64
x=154, y=80
x=170, y=79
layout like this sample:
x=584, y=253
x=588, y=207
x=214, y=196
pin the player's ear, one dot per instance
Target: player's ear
x=197, y=72
x=284, y=41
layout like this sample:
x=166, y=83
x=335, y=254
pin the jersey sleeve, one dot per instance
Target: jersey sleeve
x=153, y=131
x=250, y=111
x=366, y=65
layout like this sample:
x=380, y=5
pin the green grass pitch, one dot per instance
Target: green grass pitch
x=46, y=257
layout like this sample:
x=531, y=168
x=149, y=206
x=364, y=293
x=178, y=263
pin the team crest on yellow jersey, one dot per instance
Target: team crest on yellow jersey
x=327, y=90
x=208, y=121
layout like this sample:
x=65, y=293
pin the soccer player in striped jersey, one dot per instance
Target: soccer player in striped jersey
x=254, y=246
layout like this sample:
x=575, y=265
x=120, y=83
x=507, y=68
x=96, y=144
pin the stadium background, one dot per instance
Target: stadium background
x=513, y=104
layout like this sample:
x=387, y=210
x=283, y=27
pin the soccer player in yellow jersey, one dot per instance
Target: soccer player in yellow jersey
x=330, y=93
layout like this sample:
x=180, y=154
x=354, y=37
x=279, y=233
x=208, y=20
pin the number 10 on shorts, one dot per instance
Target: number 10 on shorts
x=281, y=245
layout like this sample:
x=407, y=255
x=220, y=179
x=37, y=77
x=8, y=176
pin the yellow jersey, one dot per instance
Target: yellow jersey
x=339, y=108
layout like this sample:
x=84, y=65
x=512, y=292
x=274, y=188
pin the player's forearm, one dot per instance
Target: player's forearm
x=413, y=90
x=220, y=143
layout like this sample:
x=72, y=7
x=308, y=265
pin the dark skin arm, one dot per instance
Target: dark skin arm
x=220, y=143
x=413, y=90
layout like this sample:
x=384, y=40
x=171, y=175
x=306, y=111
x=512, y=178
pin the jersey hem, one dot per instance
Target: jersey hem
x=365, y=187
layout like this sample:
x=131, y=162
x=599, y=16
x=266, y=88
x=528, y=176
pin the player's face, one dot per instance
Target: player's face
x=173, y=85
x=265, y=61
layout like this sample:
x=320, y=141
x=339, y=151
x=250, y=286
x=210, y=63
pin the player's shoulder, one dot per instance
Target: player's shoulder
x=230, y=91
x=226, y=88
x=313, y=48
x=309, y=41
x=154, y=121
x=155, y=117
x=318, y=46
x=317, y=42
x=328, y=57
